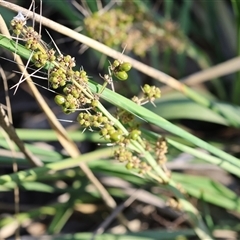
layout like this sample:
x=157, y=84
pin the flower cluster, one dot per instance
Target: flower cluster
x=150, y=93
x=61, y=73
x=132, y=161
x=32, y=39
x=120, y=69
x=160, y=150
x=134, y=28
x=121, y=129
x=110, y=28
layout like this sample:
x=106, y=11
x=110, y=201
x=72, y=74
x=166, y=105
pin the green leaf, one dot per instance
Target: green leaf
x=183, y=108
x=208, y=190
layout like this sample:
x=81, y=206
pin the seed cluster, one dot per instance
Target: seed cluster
x=120, y=69
x=61, y=73
x=134, y=28
x=110, y=28
x=76, y=96
x=161, y=150
x=131, y=160
x=150, y=93
x=32, y=39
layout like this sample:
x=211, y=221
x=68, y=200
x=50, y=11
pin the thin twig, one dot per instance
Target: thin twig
x=113, y=215
x=13, y=152
x=222, y=69
x=7, y=126
x=8, y=103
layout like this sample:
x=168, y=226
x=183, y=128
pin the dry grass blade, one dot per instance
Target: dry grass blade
x=7, y=98
x=6, y=125
x=113, y=215
x=7, y=121
x=219, y=70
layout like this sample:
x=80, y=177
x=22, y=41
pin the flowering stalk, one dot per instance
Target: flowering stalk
x=121, y=129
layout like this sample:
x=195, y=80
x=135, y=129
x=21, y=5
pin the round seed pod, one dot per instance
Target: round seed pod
x=115, y=64
x=59, y=100
x=146, y=88
x=134, y=134
x=121, y=75
x=94, y=103
x=116, y=136
x=129, y=165
x=125, y=66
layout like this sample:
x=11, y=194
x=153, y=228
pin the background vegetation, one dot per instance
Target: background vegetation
x=183, y=39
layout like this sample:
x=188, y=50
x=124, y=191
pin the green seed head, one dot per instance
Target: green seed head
x=129, y=165
x=54, y=86
x=125, y=66
x=104, y=132
x=134, y=134
x=62, y=83
x=115, y=136
x=94, y=103
x=59, y=100
x=115, y=64
x=146, y=88
x=121, y=75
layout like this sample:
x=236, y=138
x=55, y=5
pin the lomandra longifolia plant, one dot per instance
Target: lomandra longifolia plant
x=120, y=129
x=142, y=157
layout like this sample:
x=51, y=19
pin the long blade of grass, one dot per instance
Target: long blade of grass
x=199, y=154
x=155, y=119
x=208, y=190
x=179, y=107
x=36, y=173
x=143, y=113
